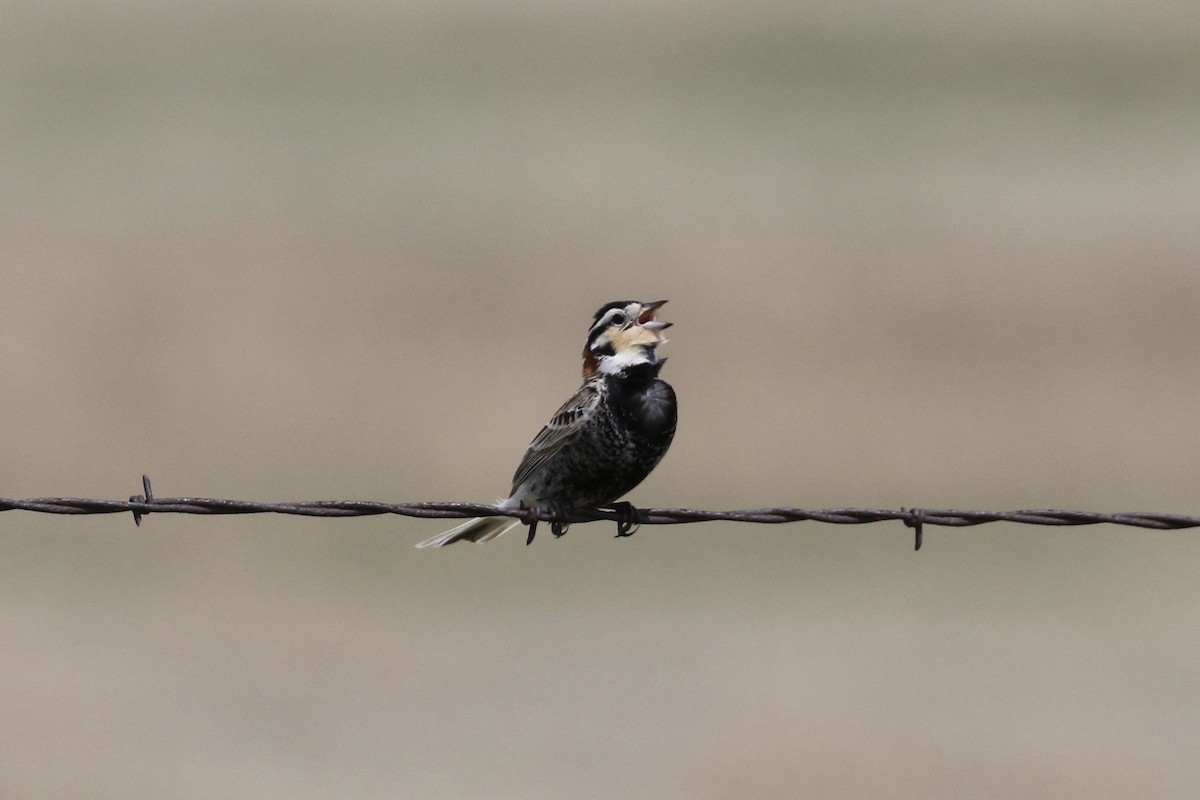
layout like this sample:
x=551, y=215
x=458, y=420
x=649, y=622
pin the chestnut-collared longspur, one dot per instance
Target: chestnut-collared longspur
x=607, y=438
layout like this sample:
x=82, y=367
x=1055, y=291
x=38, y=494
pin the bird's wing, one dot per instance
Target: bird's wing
x=562, y=429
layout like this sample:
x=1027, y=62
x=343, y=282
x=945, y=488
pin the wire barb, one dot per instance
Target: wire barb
x=530, y=519
x=916, y=521
x=147, y=497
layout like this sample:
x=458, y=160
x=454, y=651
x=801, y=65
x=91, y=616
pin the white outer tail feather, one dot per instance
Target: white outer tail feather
x=480, y=529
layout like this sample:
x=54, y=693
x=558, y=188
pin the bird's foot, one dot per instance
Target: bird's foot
x=629, y=519
x=558, y=520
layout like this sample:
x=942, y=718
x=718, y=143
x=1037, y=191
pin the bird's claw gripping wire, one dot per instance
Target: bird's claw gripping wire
x=629, y=519
x=558, y=520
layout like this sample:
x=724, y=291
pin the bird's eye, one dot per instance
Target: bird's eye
x=619, y=318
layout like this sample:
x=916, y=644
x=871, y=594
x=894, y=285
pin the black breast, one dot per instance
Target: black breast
x=645, y=403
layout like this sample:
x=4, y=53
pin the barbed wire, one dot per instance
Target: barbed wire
x=626, y=517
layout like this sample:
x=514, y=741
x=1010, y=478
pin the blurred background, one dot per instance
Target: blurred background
x=936, y=254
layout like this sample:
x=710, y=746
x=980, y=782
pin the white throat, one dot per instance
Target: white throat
x=618, y=362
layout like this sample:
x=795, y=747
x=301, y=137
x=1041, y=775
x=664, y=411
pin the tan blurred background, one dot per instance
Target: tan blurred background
x=939, y=254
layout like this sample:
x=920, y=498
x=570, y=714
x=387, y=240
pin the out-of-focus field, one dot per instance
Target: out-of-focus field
x=919, y=254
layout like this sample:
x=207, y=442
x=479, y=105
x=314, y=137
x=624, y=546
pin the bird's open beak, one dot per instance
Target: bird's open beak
x=646, y=318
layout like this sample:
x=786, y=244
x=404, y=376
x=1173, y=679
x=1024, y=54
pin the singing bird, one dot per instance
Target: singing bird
x=607, y=438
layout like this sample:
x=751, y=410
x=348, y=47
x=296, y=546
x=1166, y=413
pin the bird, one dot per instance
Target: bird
x=607, y=438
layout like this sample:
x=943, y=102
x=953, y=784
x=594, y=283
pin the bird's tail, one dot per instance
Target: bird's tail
x=480, y=529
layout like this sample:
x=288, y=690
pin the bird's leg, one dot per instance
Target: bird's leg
x=629, y=519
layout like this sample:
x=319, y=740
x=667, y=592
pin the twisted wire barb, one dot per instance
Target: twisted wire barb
x=915, y=518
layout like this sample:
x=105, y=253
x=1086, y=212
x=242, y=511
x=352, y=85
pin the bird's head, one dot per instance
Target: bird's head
x=623, y=334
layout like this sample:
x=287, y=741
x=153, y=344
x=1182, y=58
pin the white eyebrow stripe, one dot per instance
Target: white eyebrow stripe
x=606, y=320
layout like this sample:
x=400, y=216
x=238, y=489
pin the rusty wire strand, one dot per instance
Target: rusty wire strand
x=915, y=518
